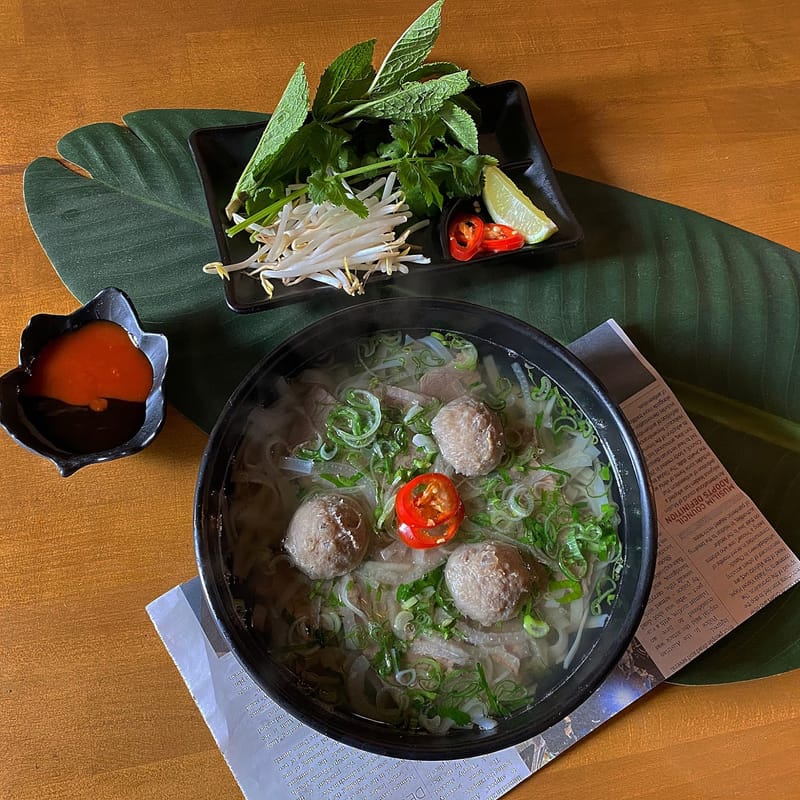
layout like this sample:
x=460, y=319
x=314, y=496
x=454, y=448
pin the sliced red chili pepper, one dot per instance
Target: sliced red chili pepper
x=499, y=238
x=429, y=510
x=422, y=538
x=465, y=235
x=427, y=500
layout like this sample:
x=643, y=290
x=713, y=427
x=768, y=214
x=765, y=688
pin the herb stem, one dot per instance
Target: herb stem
x=267, y=213
x=379, y=166
x=273, y=209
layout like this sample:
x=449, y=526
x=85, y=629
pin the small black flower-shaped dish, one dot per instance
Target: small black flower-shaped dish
x=113, y=424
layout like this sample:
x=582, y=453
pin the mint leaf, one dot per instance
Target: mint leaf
x=469, y=105
x=345, y=80
x=285, y=122
x=286, y=161
x=409, y=51
x=413, y=99
x=431, y=69
x=461, y=126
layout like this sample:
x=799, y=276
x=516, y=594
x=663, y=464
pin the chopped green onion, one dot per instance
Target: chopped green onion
x=533, y=624
x=341, y=481
x=573, y=590
x=491, y=699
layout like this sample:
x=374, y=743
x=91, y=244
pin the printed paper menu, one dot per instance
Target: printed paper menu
x=719, y=561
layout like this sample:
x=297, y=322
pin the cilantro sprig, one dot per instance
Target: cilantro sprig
x=409, y=115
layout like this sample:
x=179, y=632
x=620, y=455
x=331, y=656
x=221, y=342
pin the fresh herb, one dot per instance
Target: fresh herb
x=430, y=603
x=286, y=121
x=409, y=116
x=570, y=587
x=606, y=589
x=566, y=418
x=342, y=481
x=494, y=705
x=389, y=649
x=355, y=421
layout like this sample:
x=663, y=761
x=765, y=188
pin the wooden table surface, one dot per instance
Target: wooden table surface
x=694, y=103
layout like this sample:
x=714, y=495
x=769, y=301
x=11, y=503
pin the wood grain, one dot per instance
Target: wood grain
x=692, y=103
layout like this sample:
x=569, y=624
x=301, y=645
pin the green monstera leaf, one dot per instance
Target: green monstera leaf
x=716, y=310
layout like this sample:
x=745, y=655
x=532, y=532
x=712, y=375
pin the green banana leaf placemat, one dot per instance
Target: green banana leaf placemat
x=715, y=309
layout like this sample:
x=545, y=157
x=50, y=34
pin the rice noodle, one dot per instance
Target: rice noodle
x=437, y=347
x=525, y=392
x=303, y=466
x=481, y=636
x=577, y=640
x=343, y=593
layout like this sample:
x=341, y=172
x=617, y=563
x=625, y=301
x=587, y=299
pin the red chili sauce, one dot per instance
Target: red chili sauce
x=88, y=388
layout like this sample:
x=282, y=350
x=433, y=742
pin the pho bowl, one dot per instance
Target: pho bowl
x=331, y=668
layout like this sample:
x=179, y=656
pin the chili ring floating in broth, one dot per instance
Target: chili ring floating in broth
x=452, y=633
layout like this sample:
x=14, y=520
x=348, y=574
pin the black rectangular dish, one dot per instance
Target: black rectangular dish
x=506, y=131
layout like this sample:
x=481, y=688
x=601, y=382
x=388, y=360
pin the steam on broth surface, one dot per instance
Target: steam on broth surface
x=426, y=637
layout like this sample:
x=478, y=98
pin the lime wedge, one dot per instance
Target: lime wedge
x=507, y=204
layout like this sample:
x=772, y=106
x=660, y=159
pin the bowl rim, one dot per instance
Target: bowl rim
x=405, y=744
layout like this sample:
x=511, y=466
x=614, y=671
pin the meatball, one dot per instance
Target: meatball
x=487, y=581
x=469, y=436
x=327, y=536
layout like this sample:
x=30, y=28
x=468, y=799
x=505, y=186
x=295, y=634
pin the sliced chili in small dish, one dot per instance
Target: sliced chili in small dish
x=465, y=235
x=499, y=238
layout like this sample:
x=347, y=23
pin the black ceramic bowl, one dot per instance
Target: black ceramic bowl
x=484, y=327
x=112, y=305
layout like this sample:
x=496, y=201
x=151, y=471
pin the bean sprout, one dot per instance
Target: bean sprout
x=330, y=244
